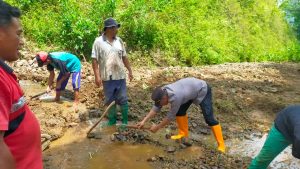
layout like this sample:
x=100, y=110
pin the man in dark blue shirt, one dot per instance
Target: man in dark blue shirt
x=284, y=132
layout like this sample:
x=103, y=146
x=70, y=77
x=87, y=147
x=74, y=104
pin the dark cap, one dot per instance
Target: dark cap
x=157, y=95
x=110, y=22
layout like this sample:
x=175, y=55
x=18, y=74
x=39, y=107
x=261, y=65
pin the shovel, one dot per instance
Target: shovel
x=136, y=127
x=105, y=112
x=37, y=95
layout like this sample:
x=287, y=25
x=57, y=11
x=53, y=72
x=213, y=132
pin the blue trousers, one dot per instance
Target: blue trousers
x=115, y=90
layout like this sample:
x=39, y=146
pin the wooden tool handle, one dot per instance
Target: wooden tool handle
x=105, y=112
x=136, y=127
x=37, y=95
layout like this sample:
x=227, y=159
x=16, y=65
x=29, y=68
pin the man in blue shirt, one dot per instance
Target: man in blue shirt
x=67, y=64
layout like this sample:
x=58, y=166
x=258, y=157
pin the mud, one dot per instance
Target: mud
x=246, y=96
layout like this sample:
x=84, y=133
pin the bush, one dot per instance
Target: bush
x=183, y=32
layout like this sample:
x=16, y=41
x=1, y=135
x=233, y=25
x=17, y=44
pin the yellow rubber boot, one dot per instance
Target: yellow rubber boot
x=183, y=127
x=217, y=130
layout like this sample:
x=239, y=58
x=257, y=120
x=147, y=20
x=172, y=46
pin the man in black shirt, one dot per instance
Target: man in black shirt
x=285, y=131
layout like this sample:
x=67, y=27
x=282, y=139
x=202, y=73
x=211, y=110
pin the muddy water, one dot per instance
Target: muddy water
x=74, y=150
x=252, y=147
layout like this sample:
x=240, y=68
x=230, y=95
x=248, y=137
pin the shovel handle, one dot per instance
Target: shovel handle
x=105, y=112
x=136, y=127
x=37, y=95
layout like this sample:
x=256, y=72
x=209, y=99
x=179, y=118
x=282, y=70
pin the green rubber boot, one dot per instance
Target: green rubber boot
x=112, y=116
x=124, y=111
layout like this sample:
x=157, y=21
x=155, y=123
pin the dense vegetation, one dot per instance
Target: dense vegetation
x=292, y=9
x=185, y=32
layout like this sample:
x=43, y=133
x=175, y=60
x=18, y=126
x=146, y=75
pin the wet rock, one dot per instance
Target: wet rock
x=152, y=159
x=73, y=124
x=120, y=137
x=45, y=145
x=21, y=63
x=31, y=62
x=112, y=137
x=173, y=127
x=94, y=113
x=247, y=137
x=171, y=149
x=161, y=157
x=168, y=136
x=82, y=116
x=51, y=122
x=98, y=136
x=182, y=146
x=194, y=124
x=237, y=161
x=194, y=166
x=91, y=135
x=46, y=159
x=204, y=131
x=46, y=136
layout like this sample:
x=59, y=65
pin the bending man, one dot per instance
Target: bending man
x=181, y=95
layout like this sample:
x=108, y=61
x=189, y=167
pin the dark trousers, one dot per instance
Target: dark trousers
x=115, y=90
x=206, y=107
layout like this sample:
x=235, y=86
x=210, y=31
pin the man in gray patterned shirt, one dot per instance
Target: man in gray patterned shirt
x=109, y=62
x=181, y=94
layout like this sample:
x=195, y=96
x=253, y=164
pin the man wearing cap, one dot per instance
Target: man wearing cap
x=181, y=94
x=20, y=136
x=68, y=64
x=109, y=62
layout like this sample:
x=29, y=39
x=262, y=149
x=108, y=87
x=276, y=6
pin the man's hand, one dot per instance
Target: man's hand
x=130, y=76
x=98, y=82
x=6, y=159
x=154, y=128
x=49, y=89
x=141, y=124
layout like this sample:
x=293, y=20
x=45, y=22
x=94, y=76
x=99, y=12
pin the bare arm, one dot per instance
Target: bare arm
x=151, y=114
x=127, y=65
x=162, y=124
x=50, y=79
x=6, y=159
x=96, y=72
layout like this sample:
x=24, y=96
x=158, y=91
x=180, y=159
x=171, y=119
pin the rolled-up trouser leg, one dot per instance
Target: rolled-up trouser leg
x=274, y=145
